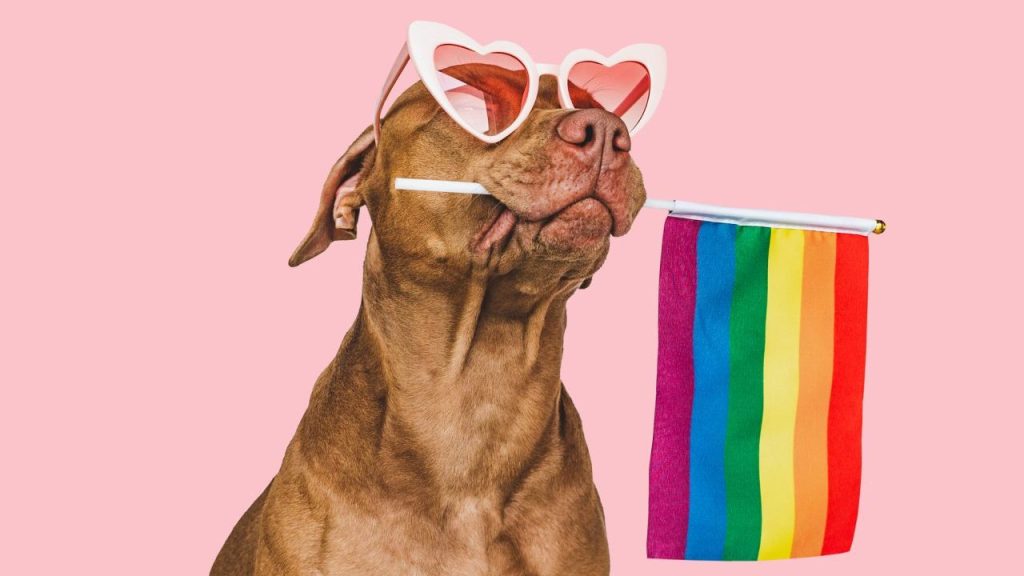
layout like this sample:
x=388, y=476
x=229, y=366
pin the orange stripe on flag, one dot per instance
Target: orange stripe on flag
x=810, y=457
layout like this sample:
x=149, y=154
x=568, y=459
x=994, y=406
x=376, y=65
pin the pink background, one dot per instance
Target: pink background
x=161, y=162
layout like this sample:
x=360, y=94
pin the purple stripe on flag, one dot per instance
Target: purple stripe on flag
x=669, y=500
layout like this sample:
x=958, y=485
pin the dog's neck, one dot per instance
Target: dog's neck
x=471, y=376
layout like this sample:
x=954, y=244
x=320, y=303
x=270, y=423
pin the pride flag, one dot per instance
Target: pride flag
x=757, y=433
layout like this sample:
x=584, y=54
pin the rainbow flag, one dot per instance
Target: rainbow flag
x=757, y=432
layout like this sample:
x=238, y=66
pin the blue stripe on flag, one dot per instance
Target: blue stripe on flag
x=716, y=272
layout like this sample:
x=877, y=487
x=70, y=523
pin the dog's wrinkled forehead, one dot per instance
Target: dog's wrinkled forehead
x=417, y=106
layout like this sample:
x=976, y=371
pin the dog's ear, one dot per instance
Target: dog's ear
x=340, y=200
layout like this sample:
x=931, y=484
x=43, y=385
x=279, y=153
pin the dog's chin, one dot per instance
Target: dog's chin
x=580, y=228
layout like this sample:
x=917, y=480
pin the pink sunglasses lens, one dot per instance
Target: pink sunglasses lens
x=623, y=89
x=487, y=91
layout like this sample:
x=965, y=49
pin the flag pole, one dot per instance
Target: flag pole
x=694, y=210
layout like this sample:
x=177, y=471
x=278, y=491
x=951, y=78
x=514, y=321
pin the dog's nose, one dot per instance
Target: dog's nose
x=591, y=128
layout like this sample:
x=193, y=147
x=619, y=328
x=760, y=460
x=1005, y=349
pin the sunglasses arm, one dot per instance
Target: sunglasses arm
x=389, y=84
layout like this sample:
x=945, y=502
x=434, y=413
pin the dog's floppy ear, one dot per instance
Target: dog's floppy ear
x=340, y=200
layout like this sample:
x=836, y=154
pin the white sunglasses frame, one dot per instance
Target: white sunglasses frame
x=424, y=37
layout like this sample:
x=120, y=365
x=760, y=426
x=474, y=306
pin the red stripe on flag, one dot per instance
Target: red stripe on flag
x=846, y=405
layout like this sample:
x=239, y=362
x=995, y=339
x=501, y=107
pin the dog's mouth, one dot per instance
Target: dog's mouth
x=580, y=226
x=496, y=233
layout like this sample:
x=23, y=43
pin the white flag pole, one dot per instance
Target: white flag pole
x=694, y=210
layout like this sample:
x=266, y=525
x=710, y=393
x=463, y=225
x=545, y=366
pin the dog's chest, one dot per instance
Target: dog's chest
x=397, y=540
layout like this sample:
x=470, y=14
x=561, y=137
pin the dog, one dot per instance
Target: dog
x=440, y=440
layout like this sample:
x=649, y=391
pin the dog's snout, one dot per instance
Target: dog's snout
x=590, y=129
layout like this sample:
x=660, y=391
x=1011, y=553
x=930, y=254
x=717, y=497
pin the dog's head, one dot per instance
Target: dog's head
x=562, y=184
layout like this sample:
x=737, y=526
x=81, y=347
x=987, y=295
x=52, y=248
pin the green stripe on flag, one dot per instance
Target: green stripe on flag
x=746, y=394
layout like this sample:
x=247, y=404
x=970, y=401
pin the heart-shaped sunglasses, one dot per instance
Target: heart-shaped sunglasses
x=490, y=90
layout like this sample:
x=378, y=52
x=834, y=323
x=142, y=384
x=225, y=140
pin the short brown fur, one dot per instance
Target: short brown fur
x=440, y=439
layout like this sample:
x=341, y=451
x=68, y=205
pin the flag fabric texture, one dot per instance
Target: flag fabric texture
x=757, y=429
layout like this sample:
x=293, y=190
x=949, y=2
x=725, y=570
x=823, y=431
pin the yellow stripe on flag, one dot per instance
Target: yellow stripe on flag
x=781, y=392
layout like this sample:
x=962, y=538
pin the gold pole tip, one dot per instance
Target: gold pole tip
x=879, y=227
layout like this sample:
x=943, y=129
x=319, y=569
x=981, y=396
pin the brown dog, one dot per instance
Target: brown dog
x=440, y=440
